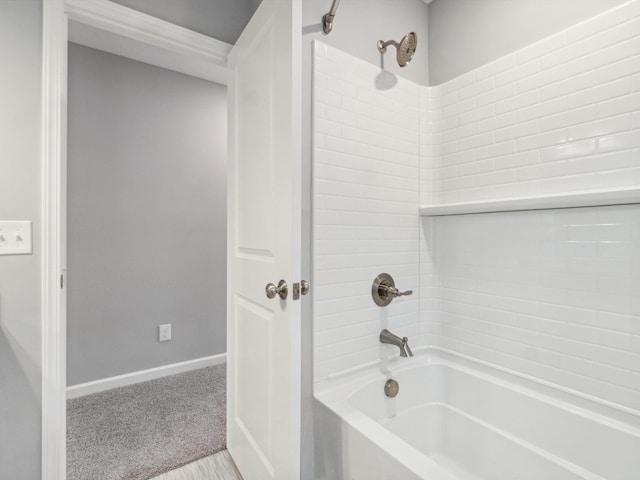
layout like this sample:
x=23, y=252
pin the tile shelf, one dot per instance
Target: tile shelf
x=588, y=198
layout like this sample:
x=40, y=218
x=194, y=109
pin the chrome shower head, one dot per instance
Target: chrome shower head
x=406, y=48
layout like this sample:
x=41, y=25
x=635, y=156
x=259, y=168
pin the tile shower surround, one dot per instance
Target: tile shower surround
x=560, y=115
x=365, y=208
x=553, y=294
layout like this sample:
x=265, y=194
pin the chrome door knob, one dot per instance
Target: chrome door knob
x=271, y=290
x=304, y=287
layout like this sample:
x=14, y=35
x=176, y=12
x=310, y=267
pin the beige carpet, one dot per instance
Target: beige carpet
x=143, y=430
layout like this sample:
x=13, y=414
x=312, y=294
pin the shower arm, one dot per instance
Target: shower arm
x=327, y=18
x=382, y=46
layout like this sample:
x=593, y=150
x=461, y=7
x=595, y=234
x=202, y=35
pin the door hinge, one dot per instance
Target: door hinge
x=62, y=281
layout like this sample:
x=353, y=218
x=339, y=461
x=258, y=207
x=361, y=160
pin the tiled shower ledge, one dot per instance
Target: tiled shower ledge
x=590, y=198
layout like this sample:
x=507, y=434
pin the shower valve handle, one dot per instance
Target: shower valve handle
x=383, y=290
x=393, y=292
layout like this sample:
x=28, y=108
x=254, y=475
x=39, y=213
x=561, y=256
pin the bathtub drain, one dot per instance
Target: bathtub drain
x=391, y=388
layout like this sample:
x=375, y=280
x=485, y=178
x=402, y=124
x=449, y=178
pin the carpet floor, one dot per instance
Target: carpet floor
x=140, y=431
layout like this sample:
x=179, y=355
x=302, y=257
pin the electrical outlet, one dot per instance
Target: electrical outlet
x=164, y=332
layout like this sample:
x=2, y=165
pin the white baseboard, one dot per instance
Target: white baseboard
x=82, y=389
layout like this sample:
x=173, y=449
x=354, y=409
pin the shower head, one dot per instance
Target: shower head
x=406, y=48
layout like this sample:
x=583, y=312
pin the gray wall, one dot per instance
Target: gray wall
x=146, y=215
x=20, y=322
x=465, y=34
x=20, y=57
x=358, y=26
x=220, y=19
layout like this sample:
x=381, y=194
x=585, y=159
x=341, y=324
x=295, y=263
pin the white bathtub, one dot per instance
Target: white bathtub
x=455, y=418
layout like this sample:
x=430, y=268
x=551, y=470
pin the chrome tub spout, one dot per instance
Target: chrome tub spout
x=402, y=343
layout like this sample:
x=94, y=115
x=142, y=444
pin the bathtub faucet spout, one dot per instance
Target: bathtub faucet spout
x=402, y=343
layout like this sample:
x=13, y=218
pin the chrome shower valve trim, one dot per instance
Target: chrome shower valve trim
x=383, y=290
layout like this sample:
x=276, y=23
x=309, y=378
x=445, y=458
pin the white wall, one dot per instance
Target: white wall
x=466, y=34
x=358, y=26
x=554, y=294
x=20, y=53
x=560, y=115
x=365, y=195
x=146, y=216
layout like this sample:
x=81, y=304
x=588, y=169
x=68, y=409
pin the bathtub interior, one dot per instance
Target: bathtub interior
x=473, y=450
x=481, y=426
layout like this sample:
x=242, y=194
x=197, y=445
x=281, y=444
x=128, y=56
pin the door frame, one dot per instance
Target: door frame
x=126, y=32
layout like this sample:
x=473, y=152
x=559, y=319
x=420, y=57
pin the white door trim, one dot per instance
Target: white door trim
x=54, y=90
x=122, y=31
x=125, y=32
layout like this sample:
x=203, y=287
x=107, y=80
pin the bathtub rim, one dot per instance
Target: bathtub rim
x=337, y=397
x=416, y=462
x=604, y=411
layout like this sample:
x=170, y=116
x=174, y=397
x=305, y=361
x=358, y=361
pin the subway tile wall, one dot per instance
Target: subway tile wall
x=365, y=208
x=560, y=115
x=554, y=294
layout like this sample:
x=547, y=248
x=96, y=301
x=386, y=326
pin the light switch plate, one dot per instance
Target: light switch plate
x=15, y=238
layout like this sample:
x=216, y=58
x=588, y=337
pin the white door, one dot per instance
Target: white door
x=263, y=340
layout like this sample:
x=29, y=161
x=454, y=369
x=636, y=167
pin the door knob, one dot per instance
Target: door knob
x=271, y=290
